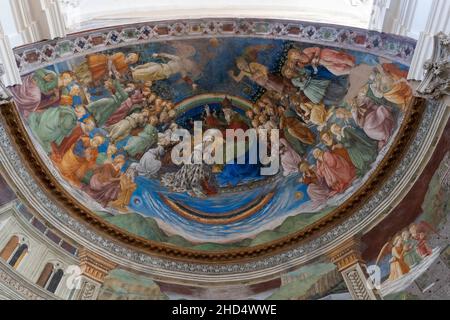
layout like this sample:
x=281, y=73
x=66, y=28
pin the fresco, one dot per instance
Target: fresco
x=103, y=124
x=315, y=281
x=411, y=246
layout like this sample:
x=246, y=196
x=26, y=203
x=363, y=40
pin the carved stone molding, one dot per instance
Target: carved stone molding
x=168, y=263
x=347, y=258
x=94, y=269
x=5, y=96
x=89, y=289
x=437, y=70
x=356, y=280
x=348, y=254
x=253, y=269
x=15, y=286
x=345, y=211
x=94, y=266
x=9, y=73
x=379, y=11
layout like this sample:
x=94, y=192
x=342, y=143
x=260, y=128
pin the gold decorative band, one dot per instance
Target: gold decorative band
x=230, y=217
x=56, y=192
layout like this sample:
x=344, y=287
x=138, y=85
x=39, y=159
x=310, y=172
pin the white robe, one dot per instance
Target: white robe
x=150, y=163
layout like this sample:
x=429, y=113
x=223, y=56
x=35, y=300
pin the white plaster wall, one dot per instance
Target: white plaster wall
x=24, y=21
x=355, y=13
x=421, y=20
x=8, y=24
x=40, y=249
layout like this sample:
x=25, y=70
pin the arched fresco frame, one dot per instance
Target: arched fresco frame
x=375, y=209
x=409, y=127
x=74, y=207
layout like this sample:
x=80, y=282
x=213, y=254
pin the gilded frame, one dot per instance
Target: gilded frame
x=65, y=200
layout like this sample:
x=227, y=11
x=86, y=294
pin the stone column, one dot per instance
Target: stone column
x=94, y=269
x=9, y=73
x=347, y=258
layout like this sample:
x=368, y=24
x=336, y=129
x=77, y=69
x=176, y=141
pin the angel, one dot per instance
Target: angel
x=317, y=114
x=412, y=258
x=259, y=73
x=398, y=266
x=180, y=63
x=337, y=62
x=386, y=82
x=401, y=248
x=99, y=66
x=419, y=232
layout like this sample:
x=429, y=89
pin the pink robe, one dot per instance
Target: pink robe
x=27, y=96
x=337, y=62
x=377, y=122
x=289, y=159
x=102, y=186
x=124, y=109
x=336, y=170
x=317, y=189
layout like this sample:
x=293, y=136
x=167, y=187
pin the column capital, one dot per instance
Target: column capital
x=347, y=254
x=437, y=70
x=94, y=266
x=347, y=258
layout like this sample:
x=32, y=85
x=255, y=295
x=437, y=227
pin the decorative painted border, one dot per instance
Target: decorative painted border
x=402, y=51
x=140, y=260
x=38, y=55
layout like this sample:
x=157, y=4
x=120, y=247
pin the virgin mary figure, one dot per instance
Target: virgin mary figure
x=196, y=178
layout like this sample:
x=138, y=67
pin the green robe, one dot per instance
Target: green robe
x=52, y=125
x=142, y=142
x=46, y=87
x=295, y=144
x=314, y=89
x=362, y=149
x=412, y=258
x=103, y=108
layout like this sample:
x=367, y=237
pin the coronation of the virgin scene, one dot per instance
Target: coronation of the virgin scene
x=253, y=150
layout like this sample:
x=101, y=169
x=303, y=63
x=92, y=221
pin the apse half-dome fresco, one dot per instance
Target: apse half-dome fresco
x=104, y=123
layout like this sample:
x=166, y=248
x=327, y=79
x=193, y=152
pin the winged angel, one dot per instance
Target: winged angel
x=179, y=63
x=408, y=249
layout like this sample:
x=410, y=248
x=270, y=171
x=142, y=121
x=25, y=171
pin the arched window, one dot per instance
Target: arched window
x=45, y=275
x=18, y=256
x=55, y=280
x=10, y=247
x=50, y=277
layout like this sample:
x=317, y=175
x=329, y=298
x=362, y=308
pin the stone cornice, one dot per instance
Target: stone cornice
x=17, y=287
x=225, y=272
x=236, y=271
x=390, y=158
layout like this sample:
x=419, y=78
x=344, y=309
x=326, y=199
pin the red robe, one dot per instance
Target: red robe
x=59, y=151
x=336, y=170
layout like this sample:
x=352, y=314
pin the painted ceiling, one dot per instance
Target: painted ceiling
x=99, y=108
